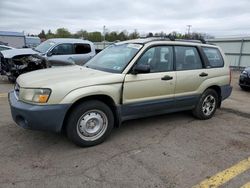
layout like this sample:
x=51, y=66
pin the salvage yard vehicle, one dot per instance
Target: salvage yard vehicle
x=244, y=80
x=52, y=52
x=127, y=80
x=12, y=64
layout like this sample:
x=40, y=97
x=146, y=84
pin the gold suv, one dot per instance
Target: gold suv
x=127, y=80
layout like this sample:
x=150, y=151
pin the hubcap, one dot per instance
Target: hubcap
x=208, y=105
x=92, y=125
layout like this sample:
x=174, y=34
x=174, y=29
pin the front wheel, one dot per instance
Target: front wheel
x=207, y=105
x=12, y=79
x=90, y=123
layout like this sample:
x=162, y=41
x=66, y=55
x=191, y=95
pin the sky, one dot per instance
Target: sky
x=214, y=17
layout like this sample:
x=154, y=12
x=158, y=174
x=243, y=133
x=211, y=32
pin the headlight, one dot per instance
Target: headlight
x=244, y=72
x=34, y=95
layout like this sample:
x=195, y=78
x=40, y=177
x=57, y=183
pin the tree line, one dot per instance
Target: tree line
x=112, y=36
x=95, y=36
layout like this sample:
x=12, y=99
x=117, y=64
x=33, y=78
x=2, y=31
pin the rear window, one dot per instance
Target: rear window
x=82, y=48
x=187, y=58
x=214, y=57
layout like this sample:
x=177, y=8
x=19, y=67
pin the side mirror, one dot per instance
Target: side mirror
x=141, y=69
x=49, y=53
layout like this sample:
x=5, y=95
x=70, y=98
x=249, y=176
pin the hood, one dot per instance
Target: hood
x=14, y=52
x=67, y=78
x=247, y=69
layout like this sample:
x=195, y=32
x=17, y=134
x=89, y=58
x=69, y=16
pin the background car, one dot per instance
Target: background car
x=244, y=80
x=63, y=49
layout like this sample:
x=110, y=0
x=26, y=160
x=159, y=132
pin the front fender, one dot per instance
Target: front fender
x=113, y=91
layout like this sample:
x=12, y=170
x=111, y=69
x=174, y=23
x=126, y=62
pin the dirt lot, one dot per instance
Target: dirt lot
x=174, y=150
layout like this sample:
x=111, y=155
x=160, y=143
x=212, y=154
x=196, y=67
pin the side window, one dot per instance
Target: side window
x=159, y=58
x=214, y=57
x=82, y=48
x=187, y=58
x=63, y=49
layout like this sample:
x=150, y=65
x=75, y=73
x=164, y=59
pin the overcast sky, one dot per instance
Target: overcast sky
x=215, y=17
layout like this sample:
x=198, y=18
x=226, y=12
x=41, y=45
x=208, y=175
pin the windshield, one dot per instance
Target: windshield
x=114, y=58
x=44, y=46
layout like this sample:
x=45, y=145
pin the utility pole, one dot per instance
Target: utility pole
x=189, y=28
x=104, y=33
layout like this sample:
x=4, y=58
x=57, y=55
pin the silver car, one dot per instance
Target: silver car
x=64, y=50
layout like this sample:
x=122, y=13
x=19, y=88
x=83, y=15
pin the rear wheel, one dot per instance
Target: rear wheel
x=90, y=123
x=207, y=105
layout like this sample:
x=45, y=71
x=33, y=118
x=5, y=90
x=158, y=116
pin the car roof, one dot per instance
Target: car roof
x=69, y=40
x=155, y=40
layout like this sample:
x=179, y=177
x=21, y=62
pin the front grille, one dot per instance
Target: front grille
x=17, y=90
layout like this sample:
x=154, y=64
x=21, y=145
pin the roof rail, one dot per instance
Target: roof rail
x=193, y=40
x=164, y=37
x=172, y=38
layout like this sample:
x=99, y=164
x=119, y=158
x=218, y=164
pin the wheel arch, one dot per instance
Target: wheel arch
x=218, y=91
x=100, y=97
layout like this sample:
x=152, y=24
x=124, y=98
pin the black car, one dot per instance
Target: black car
x=244, y=81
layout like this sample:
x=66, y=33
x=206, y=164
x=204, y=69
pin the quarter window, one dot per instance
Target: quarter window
x=159, y=58
x=187, y=58
x=214, y=57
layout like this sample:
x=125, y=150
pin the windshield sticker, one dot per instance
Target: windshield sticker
x=135, y=46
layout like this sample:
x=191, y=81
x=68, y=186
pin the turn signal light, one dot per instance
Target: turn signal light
x=43, y=98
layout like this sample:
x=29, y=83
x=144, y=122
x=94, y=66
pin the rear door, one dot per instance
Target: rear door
x=153, y=92
x=190, y=73
x=82, y=53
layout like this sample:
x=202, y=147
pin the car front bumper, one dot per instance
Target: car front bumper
x=37, y=117
x=244, y=81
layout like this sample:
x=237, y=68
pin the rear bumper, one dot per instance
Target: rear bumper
x=37, y=117
x=226, y=91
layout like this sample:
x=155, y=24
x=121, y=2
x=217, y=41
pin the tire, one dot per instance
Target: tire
x=12, y=79
x=207, y=105
x=90, y=123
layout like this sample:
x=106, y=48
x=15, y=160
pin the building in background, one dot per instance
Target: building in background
x=237, y=50
x=32, y=42
x=13, y=39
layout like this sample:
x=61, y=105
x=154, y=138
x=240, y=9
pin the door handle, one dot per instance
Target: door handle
x=203, y=74
x=167, y=77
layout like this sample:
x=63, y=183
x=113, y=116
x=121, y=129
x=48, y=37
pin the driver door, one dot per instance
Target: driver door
x=150, y=93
